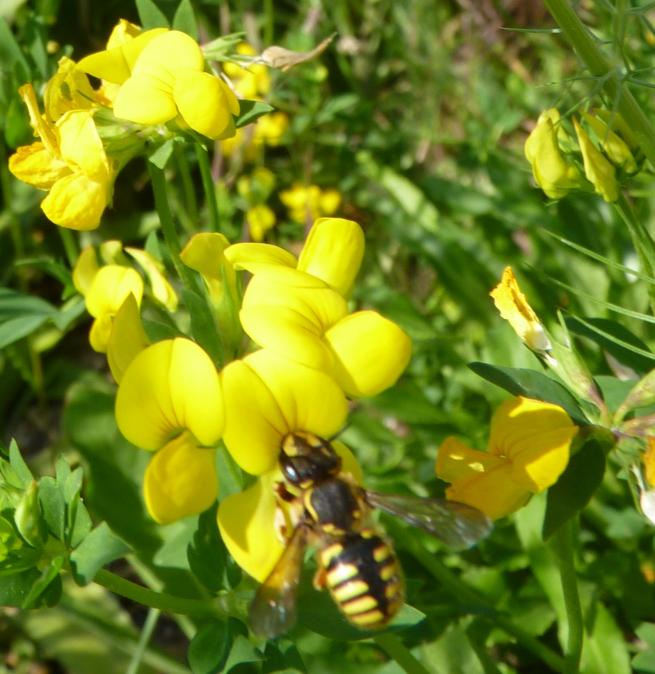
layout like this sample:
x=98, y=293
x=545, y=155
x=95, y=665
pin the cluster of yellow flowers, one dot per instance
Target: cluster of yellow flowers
x=154, y=84
x=559, y=165
x=311, y=354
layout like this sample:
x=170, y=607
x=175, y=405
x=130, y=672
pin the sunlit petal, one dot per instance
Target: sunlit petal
x=127, y=338
x=76, y=202
x=109, y=288
x=170, y=386
x=456, y=461
x=85, y=270
x=247, y=524
x=253, y=256
x=333, y=252
x=371, y=352
x=180, y=480
x=161, y=288
x=34, y=165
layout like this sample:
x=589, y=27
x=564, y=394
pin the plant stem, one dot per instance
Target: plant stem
x=144, y=638
x=563, y=546
x=70, y=245
x=451, y=583
x=397, y=651
x=642, y=240
x=188, y=189
x=161, y=600
x=587, y=48
x=208, y=187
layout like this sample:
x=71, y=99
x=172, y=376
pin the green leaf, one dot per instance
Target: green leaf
x=80, y=524
x=605, y=649
x=206, y=553
x=616, y=339
x=43, y=582
x=100, y=547
x=53, y=507
x=162, y=154
x=645, y=661
x=185, y=19
x=531, y=384
x=575, y=487
x=11, y=54
x=21, y=315
x=16, y=587
x=18, y=464
x=209, y=647
x=150, y=16
x=249, y=111
x=242, y=651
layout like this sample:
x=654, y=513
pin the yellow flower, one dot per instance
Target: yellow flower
x=308, y=202
x=552, y=172
x=170, y=401
x=333, y=253
x=277, y=398
x=514, y=308
x=70, y=162
x=529, y=443
x=68, y=89
x=269, y=130
x=105, y=288
x=304, y=320
x=649, y=462
x=205, y=253
x=616, y=149
x=161, y=76
x=260, y=219
x=598, y=170
x=252, y=81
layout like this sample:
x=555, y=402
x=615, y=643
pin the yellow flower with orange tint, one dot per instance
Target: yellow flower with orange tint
x=69, y=161
x=514, y=308
x=529, y=444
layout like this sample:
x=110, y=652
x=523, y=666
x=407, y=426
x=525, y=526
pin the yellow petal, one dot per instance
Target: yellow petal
x=247, y=524
x=109, y=288
x=279, y=311
x=168, y=387
x=598, y=170
x=35, y=165
x=127, y=338
x=68, y=89
x=76, y=202
x=101, y=332
x=277, y=397
x=333, y=252
x=514, y=308
x=180, y=480
x=370, y=351
x=552, y=172
x=649, y=462
x=260, y=219
x=205, y=254
x=253, y=256
x=613, y=145
x=116, y=62
x=85, y=270
x=205, y=103
x=169, y=52
x=80, y=145
x=124, y=31
x=493, y=492
x=42, y=128
x=457, y=461
x=535, y=436
x=161, y=288
x=144, y=99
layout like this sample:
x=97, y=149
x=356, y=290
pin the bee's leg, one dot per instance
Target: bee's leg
x=283, y=493
x=319, y=579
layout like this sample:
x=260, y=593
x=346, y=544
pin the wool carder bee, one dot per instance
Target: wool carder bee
x=356, y=563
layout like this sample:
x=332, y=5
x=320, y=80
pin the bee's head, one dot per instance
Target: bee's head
x=306, y=458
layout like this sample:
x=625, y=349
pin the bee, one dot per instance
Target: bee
x=356, y=563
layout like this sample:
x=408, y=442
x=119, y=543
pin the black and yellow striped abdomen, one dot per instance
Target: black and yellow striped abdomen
x=363, y=576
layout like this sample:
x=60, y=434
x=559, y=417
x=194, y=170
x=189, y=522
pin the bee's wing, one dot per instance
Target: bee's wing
x=458, y=525
x=273, y=610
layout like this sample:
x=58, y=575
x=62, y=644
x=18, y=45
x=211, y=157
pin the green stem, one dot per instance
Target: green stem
x=642, y=240
x=564, y=550
x=397, y=651
x=188, y=189
x=587, y=48
x=161, y=600
x=452, y=584
x=208, y=187
x=146, y=632
x=70, y=245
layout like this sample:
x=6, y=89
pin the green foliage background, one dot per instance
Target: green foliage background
x=417, y=114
